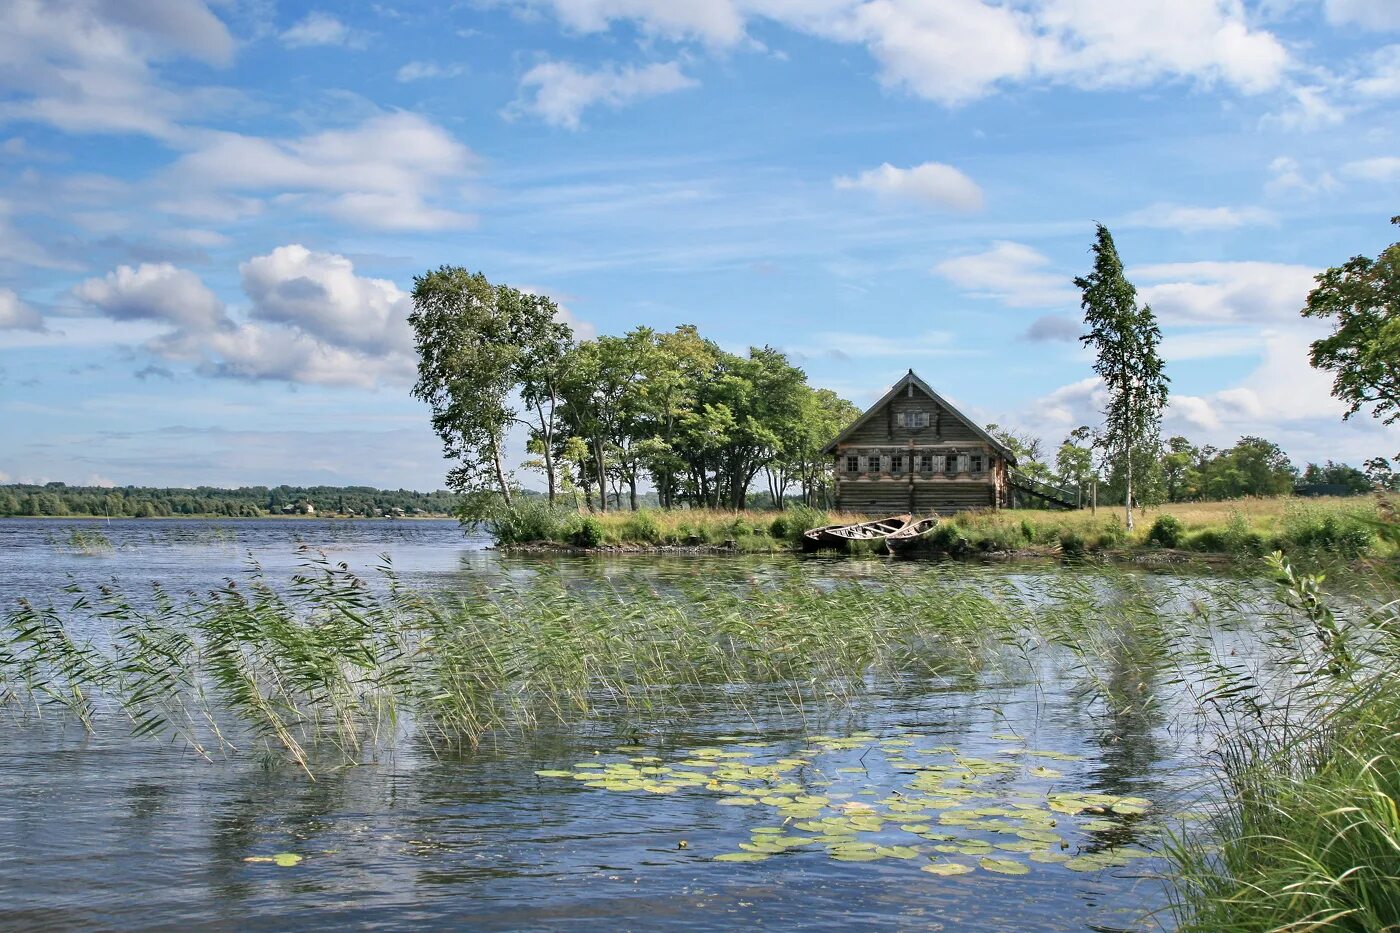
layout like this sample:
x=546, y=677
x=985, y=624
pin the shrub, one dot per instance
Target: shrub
x=525, y=519
x=1109, y=535
x=794, y=520
x=949, y=537
x=1072, y=543
x=586, y=531
x=1340, y=535
x=1001, y=538
x=642, y=528
x=1242, y=540
x=1166, y=531
x=1210, y=540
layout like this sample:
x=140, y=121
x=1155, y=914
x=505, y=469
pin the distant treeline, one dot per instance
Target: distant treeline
x=244, y=502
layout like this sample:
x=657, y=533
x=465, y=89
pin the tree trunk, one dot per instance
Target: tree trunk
x=500, y=470
x=632, y=489
x=598, y=462
x=1128, y=495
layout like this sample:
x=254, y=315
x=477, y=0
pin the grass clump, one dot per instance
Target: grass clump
x=1307, y=834
x=1166, y=531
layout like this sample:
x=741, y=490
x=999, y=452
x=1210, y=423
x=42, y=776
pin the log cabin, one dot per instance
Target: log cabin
x=913, y=451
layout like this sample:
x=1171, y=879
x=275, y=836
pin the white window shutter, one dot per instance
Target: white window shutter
x=899, y=419
x=885, y=463
x=962, y=463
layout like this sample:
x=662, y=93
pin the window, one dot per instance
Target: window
x=950, y=464
x=977, y=463
x=921, y=419
x=925, y=463
x=852, y=463
x=896, y=463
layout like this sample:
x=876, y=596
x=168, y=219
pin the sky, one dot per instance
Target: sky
x=211, y=213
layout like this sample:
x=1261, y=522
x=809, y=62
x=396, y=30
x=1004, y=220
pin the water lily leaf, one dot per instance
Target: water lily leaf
x=1049, y=857
x=1046, y=772
x=281, y=859
x=558, y=774
x=1087, y=863
x=897, y=851
x=916, y=828
x=737, y=801
x=947, y=868
x=1003, y=866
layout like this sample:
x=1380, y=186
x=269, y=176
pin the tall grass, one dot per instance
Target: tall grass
x=1306, y=835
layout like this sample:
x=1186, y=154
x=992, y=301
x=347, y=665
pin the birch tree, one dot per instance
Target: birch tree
x=1125, y=340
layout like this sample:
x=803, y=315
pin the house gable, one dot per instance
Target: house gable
x=888, y=420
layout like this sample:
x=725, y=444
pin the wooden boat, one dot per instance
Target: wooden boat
x=813, y=540
x=878, y=530
x=911, y=535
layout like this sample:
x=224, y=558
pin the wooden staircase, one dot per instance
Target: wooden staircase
x=1041, y=494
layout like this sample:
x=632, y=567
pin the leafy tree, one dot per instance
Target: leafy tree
x=1125, y=339
x=1074, y=462
x=1379, y=472
x=1363, y=351
x=467, y=356
x=1027, y=448
x=1351, y=480
x=1253, y=467
x=1180, y=476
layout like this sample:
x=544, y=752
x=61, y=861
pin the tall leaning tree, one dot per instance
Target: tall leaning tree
x=480, y=347
x=1362, y=297
x=1125, y=340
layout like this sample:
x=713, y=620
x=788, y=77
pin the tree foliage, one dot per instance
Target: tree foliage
x=1362, y=297
x=1125, y=339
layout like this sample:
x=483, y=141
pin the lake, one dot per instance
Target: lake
x=652, y=816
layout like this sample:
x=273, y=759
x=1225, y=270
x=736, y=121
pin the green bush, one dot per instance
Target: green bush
x=1166, y=531
x=1241, y=540
x=1108, y=536
x=585, y=531
x=949, y=538
x=642, y=528
x=526, y=519
x=1002, y=538
x=1072, y=543
x=1208, y=540
x=1339, y=535
x=795, y=519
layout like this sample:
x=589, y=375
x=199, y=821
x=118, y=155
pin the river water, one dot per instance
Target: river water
x=105, y=831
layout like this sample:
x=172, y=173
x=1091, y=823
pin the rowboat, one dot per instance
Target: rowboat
x=841, y=536
x=911, y=535
x=813, y=539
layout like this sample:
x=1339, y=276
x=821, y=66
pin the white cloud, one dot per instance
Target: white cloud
x=154, y=292
x=86, y=65
x=378, y=174
x=1067, y=407
x=1288, y=176
x=1383, y=78
x=1012, y=273
x=1381, y=169
x=559, y=92
x=320, y=294
x=1189, y=219
x=931, y=183
x=313, y=320
x=423, y=71
x=1224, y=292
x=954, y=51
x=16, y=315
x=318, y=28
x=1369, y=14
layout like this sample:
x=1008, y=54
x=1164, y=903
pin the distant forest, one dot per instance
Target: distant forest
x=245, y=502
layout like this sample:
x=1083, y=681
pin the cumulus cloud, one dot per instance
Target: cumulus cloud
x=154, y=292
x=1188, y=219
x=320, y=295
x=383, y=173
x=1012, y=273
x=954, y=51
x=1224, y=292
x=932, y=183
x=16, y=315
x=559, y=92
x=88, y=66
x=318, y=28
x=311, y=319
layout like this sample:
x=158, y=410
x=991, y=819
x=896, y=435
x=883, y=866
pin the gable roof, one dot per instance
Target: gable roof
x=899, y=387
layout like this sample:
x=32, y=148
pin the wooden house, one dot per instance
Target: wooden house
x=913, y=451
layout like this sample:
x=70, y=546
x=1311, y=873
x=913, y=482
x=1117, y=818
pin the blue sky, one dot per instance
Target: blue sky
x=211, y=213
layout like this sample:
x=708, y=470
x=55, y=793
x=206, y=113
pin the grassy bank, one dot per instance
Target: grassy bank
x=533, y=521
x=1249, y=528
x=1338, y=527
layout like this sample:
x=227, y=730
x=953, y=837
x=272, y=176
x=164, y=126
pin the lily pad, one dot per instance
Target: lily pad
x=1004, y=866
x=947, y=868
